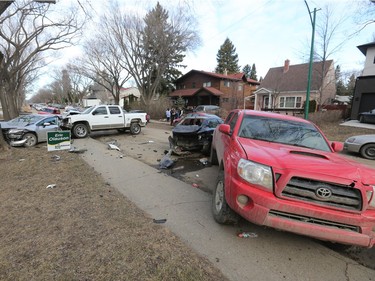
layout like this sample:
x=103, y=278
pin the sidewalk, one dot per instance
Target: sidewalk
x=188, y=214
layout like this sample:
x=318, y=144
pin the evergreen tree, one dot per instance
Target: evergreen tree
x=350, y=85
x=253, y=73
x=247, y=70
x=227, y=59
x=340, y=87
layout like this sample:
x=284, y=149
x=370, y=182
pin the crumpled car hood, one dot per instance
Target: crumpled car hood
x=304, y=159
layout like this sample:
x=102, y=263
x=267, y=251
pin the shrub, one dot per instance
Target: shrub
x=322, y=117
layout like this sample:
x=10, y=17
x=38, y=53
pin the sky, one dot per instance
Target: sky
x=264, y=32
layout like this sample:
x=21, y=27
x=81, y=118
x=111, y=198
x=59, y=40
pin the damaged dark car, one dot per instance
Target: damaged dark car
x=194, y=132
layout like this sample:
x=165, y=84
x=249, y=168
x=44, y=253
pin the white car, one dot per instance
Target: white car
x=363, y=144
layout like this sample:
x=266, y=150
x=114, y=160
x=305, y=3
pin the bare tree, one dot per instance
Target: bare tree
x=29, y=32
x=152, y=47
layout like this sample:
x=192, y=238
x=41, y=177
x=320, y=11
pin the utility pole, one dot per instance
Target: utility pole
x=307, y=103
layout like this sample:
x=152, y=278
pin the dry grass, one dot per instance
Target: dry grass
x=83, y=229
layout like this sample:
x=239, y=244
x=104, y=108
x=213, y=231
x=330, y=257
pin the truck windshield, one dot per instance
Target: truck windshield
x=283, y=131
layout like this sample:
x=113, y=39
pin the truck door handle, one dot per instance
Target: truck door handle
x=106, y=117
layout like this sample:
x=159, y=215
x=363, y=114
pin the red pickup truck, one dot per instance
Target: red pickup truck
x=281, y=171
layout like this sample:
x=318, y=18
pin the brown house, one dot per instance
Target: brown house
x=284, y=88
x=228, y=91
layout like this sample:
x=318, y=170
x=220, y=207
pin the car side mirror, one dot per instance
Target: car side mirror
x=337, y=146
x=46, y=124
x=224, y=128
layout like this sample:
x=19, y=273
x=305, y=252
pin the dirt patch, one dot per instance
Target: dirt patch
x=80, y=228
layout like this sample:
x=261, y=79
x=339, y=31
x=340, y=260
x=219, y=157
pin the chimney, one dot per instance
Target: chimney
x=286, y=66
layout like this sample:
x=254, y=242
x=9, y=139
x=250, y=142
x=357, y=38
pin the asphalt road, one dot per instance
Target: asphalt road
x=182, y=196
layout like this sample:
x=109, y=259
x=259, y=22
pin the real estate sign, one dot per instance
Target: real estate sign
x=58, y=140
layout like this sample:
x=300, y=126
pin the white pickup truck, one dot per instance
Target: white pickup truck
x=103, y=117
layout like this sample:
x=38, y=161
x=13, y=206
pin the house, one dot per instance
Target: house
x=127, y=96
x=364, y=91
x=90, y=100
x=228, y=91
x=284, y=88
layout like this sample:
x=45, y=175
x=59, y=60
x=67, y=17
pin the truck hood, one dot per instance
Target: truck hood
x=283, y=156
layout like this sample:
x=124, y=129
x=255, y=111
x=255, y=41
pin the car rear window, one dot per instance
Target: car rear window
x=282, y=131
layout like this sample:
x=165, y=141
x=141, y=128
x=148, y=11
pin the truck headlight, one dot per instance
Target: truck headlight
x=255, y=173
x=371, y=198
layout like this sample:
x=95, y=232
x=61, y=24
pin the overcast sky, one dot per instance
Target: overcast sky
x=265, y=32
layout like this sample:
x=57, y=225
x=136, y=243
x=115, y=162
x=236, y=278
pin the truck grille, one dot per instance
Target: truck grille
x=323, y=193
x=315, y=221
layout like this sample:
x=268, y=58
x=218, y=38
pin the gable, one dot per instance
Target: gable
x=295, y=79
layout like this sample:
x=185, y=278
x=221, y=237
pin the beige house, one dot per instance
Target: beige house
x=284, y=88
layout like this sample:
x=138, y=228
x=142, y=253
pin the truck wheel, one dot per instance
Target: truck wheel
x=80, y=131
x=213, y=157
x=135, y=128
x=221, y=211
x=31, y=139
x=368, y=151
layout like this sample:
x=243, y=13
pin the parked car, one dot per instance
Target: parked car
x=211, y=109
x=194, y=132
x=148, y=118
x=363, y=144
x=50, y=110
x=367, y=117
x=280, y=171
x=28, y=130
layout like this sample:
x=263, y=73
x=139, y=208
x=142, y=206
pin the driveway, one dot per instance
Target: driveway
x=268, y=255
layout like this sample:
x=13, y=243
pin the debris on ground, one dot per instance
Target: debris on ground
x=159, y=220
x=112, y=146
x=166, y=162
x=247, y=235
x=56, y=158
x=51, y=186
x=77, y=150
x=195, y=185
x=204, y=161
x=146, y=142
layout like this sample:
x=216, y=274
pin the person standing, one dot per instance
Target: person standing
x=173, y=115
x=168, y=114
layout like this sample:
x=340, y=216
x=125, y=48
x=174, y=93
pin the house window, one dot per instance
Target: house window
x=227, y=83
x=225, y=100
x=290, y=102
x=239, y=88
x=207, y=84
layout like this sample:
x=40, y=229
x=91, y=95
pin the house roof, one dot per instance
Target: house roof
x=234, y=77
x=192, y=92
x=363, y=48
x=295, y=79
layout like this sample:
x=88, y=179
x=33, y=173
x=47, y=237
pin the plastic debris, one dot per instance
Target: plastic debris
x=204, y=161
x=146, y=142
x=51, y=186
x=159, y=220
x=166, y=162
x=247, y=235
x=113, y=147
x=77, y=150
x=56, y=157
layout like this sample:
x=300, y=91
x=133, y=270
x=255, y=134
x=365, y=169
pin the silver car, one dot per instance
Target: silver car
x=28, y=130
x=363, y=144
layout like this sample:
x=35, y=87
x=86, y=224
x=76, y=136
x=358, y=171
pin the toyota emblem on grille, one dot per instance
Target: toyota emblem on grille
x=323, y=193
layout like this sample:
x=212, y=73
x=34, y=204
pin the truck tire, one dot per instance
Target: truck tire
x=31, y=139
x=135, y=128
x=221, y=211
x=213, y=157
x=80, y=130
